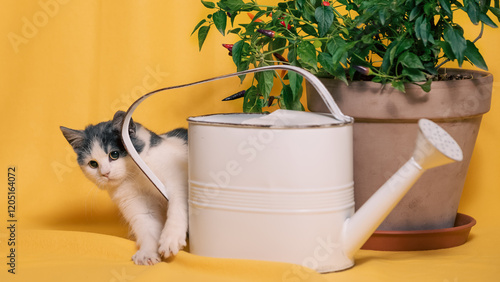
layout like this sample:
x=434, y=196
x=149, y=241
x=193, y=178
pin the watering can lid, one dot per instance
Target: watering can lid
x=277, y=119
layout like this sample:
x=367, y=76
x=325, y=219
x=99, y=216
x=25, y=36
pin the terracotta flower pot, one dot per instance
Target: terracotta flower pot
x=384, y=132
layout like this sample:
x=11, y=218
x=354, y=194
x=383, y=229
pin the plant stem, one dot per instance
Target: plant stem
x=480, y=33
x=276, y=50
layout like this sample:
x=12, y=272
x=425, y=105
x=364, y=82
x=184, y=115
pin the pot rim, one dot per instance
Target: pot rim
x=447, y=100
x=483, y=77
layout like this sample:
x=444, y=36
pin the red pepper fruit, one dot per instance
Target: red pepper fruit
x=363, y=70
x=288, y=26
x=235, y=96
x=268, y=33
x=281, y=58
x=284, y=60
x=270, y=101
x=325, y=3
x=228, y=46
x=251, y=16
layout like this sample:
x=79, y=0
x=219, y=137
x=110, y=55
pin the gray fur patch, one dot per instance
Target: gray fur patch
x=154, y=140
x=180, y=132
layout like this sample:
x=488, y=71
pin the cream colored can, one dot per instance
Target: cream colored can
x=269, y=187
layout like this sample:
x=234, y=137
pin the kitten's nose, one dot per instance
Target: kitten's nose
x=105, y=173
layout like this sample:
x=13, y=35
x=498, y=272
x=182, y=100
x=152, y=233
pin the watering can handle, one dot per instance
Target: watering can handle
x=315, y=82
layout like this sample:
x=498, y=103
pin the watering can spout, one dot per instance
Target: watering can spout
x=434, y=147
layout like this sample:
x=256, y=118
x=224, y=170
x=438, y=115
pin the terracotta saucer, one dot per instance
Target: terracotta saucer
x=420, y=240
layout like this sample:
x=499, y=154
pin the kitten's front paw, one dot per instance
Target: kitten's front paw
x=171, y=243
x=146, y=258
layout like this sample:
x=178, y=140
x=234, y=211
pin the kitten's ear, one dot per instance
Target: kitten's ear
x=75, y=137
x=118, y=120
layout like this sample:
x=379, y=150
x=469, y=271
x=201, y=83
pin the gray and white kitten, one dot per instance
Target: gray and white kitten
x=159, y=226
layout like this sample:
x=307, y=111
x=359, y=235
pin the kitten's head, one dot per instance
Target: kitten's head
x=100, y=152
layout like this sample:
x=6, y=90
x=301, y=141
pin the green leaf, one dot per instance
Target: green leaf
x=232, y=5
x=265, y=81
x=383, y=14
x=299, y=4
x=472, y=53
x=241, y=67
x=424, y=30
x=292, y=55
x=317, y=43
x=288, y=100
x=455, y=38
x=324, y=16
x=252, y=102
x=388, y=59
x=234, y=30
x=239, y=49
x=308, y=12
x=426, y=86
x=414, y=75
x=202, y=35
x=399, y=85
x=446, y=5
x=473, y=11
x=277, y=43
x=307, y=54
x=208, y=4
x=326, y=61
x=495, y=12
x=337, y=47
x=410, y=60
x=448, y=52
x=340, y=74
x=487, y=20
x=295, y=84
x=198, y=25
x=309, y=30
x=220, y=21
x=401, y=47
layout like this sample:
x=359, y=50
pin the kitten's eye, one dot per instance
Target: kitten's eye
x=114, y=155
x=93, y=164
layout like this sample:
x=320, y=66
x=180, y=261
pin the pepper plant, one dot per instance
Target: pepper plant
x=387, y=41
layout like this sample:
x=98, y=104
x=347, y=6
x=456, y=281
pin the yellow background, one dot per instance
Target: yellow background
x=76, y=62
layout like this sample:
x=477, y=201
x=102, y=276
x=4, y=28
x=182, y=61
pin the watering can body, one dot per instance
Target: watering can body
x=270, y=193
x=279, y=187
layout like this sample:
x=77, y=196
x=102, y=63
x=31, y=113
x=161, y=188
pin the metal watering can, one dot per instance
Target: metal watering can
x=279, y=187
